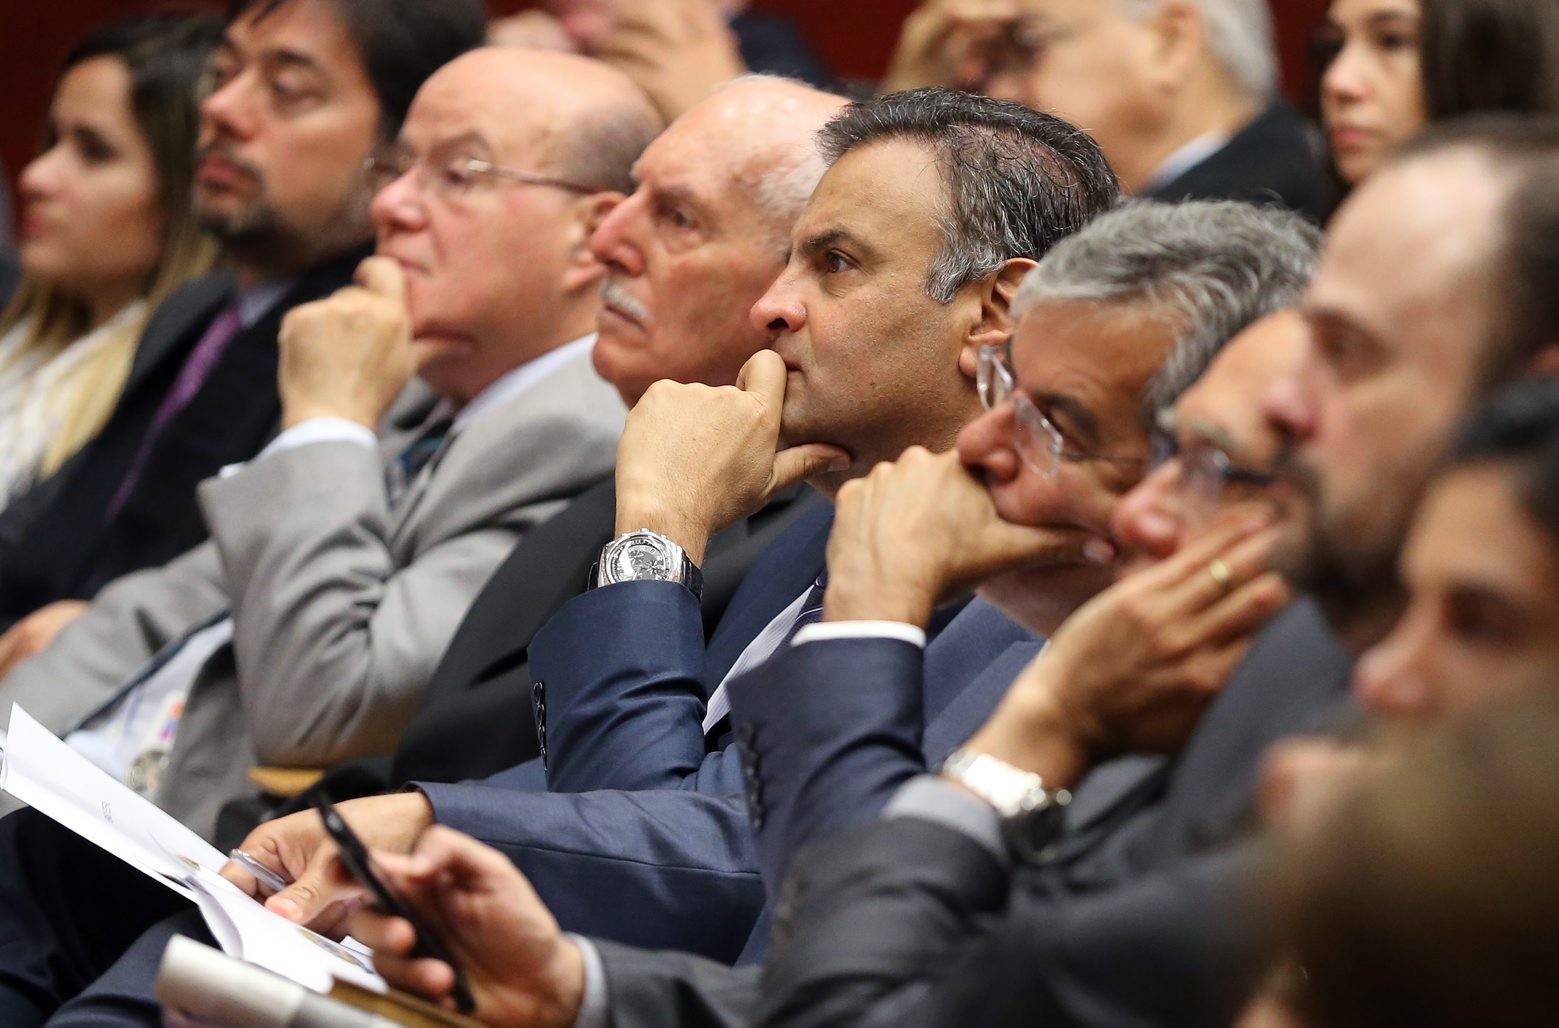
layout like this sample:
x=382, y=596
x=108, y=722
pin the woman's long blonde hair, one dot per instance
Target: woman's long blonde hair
x=165, y=55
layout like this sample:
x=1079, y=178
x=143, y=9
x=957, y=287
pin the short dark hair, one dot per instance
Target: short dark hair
x=1489, y=55
x=1018, y=181
x=1523, y=150
x=1520, y=426
x=401, y=42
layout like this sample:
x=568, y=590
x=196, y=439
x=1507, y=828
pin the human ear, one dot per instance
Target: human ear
x=584, y=270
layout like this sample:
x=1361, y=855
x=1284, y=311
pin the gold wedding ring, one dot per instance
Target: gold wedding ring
x=1222, y=573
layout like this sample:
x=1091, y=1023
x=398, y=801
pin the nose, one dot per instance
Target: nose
x=1148, y=519
x=1392, y=680
x=1346, y=79
x=230, y=108
x=1288, y=407
x=780, y=309
x=41, y=175
x=615, y=241
x=986, y=444
x=398, y=206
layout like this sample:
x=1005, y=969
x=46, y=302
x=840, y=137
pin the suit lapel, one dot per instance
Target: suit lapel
x=787, y=568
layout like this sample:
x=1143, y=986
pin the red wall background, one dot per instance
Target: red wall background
x=855, y=36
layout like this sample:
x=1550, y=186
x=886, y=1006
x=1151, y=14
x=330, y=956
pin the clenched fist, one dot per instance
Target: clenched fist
x=349, y=355
x=695, y=458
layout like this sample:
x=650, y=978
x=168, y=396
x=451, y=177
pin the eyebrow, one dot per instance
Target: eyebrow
x=293, y=59
x=1082, y=419
x=1215, y=434
x=831, y=238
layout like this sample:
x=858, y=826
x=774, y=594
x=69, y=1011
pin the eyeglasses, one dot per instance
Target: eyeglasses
x=453, y=176
x=1039, y=442
x=1205, y=469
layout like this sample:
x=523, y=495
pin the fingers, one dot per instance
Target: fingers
x=383, y=277
x=314, y=890
x=1243, y=610
x=382, y=933
x=764, y=376
x=799, y=463
x=423, y=975
x=1206, y=582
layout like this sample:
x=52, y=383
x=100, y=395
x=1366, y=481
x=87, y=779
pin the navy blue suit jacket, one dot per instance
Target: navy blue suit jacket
x=638, y=863
x=672, y=862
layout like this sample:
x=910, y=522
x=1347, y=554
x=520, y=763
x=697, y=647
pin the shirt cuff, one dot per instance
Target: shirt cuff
x=595, y=1007
x=935, y=799
x=912, y=634
x=306, y=433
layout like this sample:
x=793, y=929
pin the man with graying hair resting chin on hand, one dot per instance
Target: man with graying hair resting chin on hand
x=811, y=718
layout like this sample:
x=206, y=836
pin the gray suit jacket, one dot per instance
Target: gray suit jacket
x=342, y=607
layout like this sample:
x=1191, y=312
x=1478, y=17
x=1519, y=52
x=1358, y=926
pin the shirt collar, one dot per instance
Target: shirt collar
x=518, y=380
x=1186, y=158
x=257, y=300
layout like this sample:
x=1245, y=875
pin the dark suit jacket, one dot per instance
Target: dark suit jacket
x=54, y=540
x=1128, y=924
x=645, y=866
x=1271, y=160
x=672, y=865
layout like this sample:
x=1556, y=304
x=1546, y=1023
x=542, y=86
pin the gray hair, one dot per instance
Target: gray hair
x=1017, y=181
x=1209, y=267
x=1239, y=36
x=600, y=150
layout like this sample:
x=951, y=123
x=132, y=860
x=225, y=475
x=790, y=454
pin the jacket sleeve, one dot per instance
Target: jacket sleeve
x=953, y=936
x=124, y=627
x=663, y=869
x=619, y=677
x=653, y=988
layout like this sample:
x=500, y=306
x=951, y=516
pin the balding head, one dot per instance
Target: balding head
x=584, y=118
x=705, y=233
x=513, y=159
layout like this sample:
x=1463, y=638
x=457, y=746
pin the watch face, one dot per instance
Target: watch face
x=639, y=558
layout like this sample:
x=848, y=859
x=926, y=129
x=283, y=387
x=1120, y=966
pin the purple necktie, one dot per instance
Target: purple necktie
x=197, y=368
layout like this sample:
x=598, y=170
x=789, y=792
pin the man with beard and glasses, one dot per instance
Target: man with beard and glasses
x=298, y=95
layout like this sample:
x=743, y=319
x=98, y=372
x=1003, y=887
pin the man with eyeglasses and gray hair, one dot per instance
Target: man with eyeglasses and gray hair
x=1181, y=94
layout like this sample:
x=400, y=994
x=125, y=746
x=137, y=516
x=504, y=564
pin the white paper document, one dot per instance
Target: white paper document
x=43, y=772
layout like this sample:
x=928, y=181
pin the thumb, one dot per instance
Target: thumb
x=764, y=376
x=313, y=891
x=802, y=462
x=383, y=277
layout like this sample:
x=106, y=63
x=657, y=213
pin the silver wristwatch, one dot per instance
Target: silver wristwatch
x=646, y=556
x=1031, y=814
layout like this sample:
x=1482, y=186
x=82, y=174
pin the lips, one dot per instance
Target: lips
x=1347, y=136
x=218, y=170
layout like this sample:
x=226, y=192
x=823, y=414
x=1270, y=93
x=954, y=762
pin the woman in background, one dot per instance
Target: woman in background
x=106, y=233
x=1393, y=66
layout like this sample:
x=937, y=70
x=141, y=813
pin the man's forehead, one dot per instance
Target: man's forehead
x=1431, y=220
x=467, y=108
x=303, y=28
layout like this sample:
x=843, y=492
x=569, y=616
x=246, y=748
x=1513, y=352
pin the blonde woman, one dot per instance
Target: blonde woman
x=106, y=233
